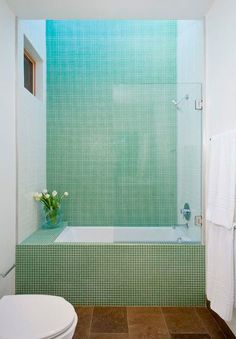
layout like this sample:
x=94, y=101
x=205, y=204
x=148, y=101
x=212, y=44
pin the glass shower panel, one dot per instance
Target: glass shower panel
x=156, y=138
x=145, y=165
x=189, y=156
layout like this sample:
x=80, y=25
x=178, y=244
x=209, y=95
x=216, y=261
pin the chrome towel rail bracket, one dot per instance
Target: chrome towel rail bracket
x=3, y=275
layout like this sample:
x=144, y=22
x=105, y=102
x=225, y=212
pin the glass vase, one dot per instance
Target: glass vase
x=53, y=218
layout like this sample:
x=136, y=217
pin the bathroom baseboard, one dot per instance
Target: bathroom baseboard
x=221, y=323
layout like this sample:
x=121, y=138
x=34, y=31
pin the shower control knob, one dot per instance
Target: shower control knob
x=186, y=211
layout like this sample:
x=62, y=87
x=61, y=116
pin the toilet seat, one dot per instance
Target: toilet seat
x=36, y=317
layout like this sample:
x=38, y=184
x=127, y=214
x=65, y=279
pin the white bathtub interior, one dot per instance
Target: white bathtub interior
x=113, y=234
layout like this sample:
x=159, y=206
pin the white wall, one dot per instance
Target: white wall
x=31, y=127
x=221, y=67
x=112, y=9
x=221, y=72
x=190, y=77
x=7, y=147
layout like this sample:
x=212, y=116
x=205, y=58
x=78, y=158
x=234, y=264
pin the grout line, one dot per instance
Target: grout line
x=90, y=325
x=215, y=323
x=127, y=320
x=201, y=321
x=165, y=321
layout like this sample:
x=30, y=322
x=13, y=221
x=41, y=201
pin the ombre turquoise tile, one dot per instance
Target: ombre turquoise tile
x=111, y=127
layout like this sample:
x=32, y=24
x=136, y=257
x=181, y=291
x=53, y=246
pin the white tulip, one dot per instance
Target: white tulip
x=66, y=194
x=40, y=195
x=36, y=196
x=54, y=193
x=45, y=191
x=47, y=196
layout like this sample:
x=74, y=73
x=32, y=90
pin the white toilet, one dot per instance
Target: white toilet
x=36, y=317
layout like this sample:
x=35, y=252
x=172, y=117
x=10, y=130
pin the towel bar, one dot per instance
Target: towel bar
x=3, y=275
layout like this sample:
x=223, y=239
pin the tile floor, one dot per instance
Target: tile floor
x=146, y=323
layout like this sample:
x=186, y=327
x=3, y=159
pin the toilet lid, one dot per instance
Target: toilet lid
x=34, y=316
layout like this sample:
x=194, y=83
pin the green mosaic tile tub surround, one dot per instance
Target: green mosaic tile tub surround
x=111, y=126
x=111, y=274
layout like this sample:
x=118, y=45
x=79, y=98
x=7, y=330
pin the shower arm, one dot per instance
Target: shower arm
x=176, y=103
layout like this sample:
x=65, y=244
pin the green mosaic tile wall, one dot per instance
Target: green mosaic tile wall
x=111, y=127
x=114, y=274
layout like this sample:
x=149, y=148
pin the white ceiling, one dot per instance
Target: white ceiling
x=110, y=9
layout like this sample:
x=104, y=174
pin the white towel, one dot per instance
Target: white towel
x=222, y=180
x=220, y=224
x=220, y=270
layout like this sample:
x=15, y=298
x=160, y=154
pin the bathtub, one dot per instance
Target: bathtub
x=108, y=234
x=113, y=266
